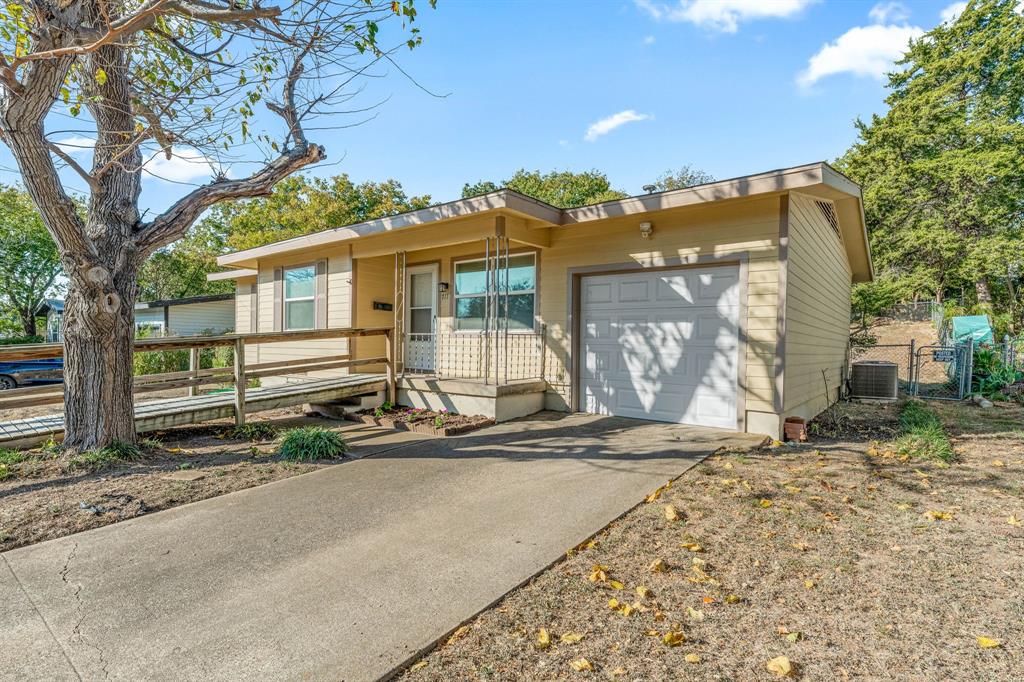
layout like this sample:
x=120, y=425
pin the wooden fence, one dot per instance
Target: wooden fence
x=238, y=376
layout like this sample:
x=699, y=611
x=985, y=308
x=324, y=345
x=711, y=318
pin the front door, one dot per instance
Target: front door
x=420, y=317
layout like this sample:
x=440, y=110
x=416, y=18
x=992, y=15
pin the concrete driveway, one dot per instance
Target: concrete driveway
x=340, y=574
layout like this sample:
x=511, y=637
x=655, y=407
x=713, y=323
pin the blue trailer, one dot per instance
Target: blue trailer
x=29, y=372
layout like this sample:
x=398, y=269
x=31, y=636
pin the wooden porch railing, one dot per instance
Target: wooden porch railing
x=194, y=377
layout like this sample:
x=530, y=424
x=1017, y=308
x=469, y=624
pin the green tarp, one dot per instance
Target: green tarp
x=976, y=327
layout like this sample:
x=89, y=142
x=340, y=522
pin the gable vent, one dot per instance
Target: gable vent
x=829, y=212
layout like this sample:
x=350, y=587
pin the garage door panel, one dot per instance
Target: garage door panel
x=662, y=346
x=631, y=291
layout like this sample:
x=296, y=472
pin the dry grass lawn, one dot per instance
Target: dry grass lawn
x=849, y=564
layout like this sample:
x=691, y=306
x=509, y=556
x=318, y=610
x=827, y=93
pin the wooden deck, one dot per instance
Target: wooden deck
x=160, y=414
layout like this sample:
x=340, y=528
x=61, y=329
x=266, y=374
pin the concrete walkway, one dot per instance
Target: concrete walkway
x=340, y=574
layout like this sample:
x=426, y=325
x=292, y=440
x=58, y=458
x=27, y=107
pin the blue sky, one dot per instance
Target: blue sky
x=729, y=86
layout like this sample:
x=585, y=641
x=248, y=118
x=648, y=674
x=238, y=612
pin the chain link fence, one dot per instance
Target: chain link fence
x=939, y=372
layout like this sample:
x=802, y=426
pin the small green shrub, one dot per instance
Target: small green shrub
x=384, y=407
x=991, y=375
x=115, y=453
x=20, y=340
x=309, y=443
x=150, y=444
x=254, y=432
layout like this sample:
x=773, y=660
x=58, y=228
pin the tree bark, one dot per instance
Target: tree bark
x=99, y=333
x=28, y=323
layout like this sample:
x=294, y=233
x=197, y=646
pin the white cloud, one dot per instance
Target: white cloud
x=721, y=15
x=76, y=144
x=649, y=40
x=950, y=13
x=1019, y=9
x=889, y=13
x=185, y=165
x=610, y=123
x=863, y=51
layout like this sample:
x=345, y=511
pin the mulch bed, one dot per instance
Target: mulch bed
x=419, y=420
x=850, y=563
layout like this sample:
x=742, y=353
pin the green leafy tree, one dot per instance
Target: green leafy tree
x=29, y=262
x=219, y=79
x=943, y=168
x=301, y=205
x=564, y=189
x=685, y=176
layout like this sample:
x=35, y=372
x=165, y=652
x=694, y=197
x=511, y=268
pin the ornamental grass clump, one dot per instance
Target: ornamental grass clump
x=310, y=443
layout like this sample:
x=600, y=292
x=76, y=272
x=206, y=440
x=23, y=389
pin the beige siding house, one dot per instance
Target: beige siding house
x=722, y=305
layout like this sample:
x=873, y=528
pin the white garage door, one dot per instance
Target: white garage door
x=662, y=345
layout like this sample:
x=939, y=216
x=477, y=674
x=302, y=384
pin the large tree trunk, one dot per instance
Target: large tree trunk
x=99, y=332
x=28, y=323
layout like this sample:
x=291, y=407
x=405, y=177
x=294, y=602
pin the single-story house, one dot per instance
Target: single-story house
x=213, y=314
x=724, y=305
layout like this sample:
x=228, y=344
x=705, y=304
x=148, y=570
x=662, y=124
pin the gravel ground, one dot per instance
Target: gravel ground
x=838, y=556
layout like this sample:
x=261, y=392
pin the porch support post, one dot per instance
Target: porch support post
x=389, y=352
x=240, y=381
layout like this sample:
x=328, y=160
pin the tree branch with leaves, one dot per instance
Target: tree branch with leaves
x=155, y=77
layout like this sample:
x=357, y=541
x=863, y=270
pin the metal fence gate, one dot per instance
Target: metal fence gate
x=942, y=372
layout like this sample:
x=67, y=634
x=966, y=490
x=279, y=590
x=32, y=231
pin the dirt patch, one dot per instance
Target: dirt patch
x=888, y=332
x=852, y=565
x=421, y=420
x=40, y=499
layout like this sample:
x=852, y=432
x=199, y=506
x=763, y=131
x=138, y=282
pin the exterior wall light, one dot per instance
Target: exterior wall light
x=646, y=230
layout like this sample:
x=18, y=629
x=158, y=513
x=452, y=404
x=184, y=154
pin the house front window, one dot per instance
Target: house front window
x=300, y=298
x=471, y=293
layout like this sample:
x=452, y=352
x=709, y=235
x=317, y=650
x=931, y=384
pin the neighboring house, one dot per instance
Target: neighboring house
x=174, y=317
x=723, y=305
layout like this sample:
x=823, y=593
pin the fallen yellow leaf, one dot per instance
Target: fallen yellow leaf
x=659, y=566
x=642, y=592
x=673, y=638
x=598, y=574
x=766, y=503
x=613, y=603
x=543, y=639
x=809, y=584
x=998, y=463
x=939, y=515
x=1013, y=520
x=670, y=513
x=617, y=672
x=418, y=666
x=458, y=634
x=989, y=643
x=581, y=664
x=694, y=614
x=691, y=658
x=570, y=638
x=692, y=546
x=793, y=489
x=727, y=465
x=616, y=585
x=781, y=666
x=733, y=599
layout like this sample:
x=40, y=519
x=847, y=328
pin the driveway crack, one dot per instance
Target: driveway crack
x=35, y=608
x=76, y=632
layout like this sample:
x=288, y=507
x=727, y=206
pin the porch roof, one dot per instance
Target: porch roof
x=817, y=178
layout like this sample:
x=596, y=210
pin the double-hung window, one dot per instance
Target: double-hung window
x=471, y=293
x=300, y=298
